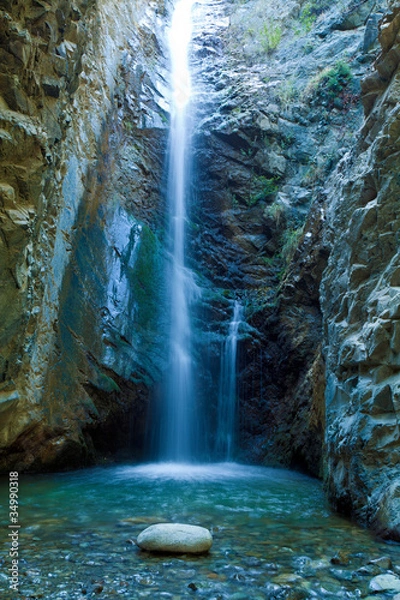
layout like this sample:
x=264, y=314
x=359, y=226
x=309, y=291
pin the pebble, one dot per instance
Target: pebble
x=383, y=562
x=387, y=582
x=341, y=558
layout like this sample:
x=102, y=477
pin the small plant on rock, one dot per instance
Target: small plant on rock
x=309, y=14
x=291, y=238
x=330, y=82
x=287, y=91
x=307, y=17
x=271, y=35
x=264, y=187
x=277, y=212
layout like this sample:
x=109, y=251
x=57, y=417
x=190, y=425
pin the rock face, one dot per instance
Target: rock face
x=360, y=300
x=82, y=139
x=175, y=537
x=276, y=116
x=285, y=194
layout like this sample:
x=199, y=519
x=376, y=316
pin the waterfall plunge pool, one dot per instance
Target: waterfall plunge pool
x=274, y=536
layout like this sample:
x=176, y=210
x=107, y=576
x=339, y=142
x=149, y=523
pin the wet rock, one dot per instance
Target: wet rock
x=341, y=558
x=384, y=562
x=359, y=302
x=385, y=583
x=62, y=113
x=175, y=537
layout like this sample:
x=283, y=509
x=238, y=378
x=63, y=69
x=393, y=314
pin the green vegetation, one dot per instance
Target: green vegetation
x=310, y=11
x=337, y=78
x=286, y=92
x=291, y=238
x=308, y=16
x=277, y=212
x=330, y=81
x=262, y=187
x=270, y=35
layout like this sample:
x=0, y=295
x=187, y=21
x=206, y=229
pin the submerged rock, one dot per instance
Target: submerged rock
x=175, y=537
x=385, y=583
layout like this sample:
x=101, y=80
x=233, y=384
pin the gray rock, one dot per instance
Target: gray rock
x=175, y=537
x=359, y=299
x=386, y=583
x=383, y=562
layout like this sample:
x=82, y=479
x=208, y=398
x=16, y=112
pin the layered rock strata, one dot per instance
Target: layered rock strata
x=360, y=300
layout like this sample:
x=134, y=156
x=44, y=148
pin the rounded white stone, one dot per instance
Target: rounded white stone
x=175, y=537
x=386, y=582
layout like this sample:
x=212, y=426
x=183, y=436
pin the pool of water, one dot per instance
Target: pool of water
x=274, y=536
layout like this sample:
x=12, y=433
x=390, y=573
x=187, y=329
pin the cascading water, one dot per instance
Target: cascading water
x=178, y=434
x=227, y=400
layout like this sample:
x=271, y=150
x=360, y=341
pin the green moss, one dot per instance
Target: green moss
x=145, y=276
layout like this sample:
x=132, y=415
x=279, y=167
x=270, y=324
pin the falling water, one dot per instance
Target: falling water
x=227, y=401
x=178, y=439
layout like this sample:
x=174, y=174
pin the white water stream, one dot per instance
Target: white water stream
x=178, y=429
x=227, y=401
x=180, y=418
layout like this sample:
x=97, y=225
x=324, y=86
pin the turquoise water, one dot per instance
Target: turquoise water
x=274, y=536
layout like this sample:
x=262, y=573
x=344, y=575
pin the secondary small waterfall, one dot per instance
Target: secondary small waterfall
x=178, y=428
x=227, y=400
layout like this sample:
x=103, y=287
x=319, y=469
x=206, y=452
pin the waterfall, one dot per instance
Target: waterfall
x=178, y=434
x=227, y=400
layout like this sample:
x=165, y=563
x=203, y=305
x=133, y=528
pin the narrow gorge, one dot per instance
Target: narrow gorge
x=289, y=243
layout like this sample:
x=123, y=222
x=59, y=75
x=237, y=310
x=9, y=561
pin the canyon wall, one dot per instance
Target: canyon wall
x=279, y=109
x=82, y=136
x=360, y=301
x=300, y=152
x=294, y=181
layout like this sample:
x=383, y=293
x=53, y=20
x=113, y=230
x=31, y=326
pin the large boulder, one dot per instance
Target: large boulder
x=175, y=537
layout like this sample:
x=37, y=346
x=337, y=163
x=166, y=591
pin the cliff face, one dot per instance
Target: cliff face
x=284, y=194
x=360, y=299
x=279, y=109
x=82, y=133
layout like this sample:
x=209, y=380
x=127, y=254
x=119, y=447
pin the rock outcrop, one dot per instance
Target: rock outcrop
x=360, y=300
x=280, y=106
x=82, y=136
